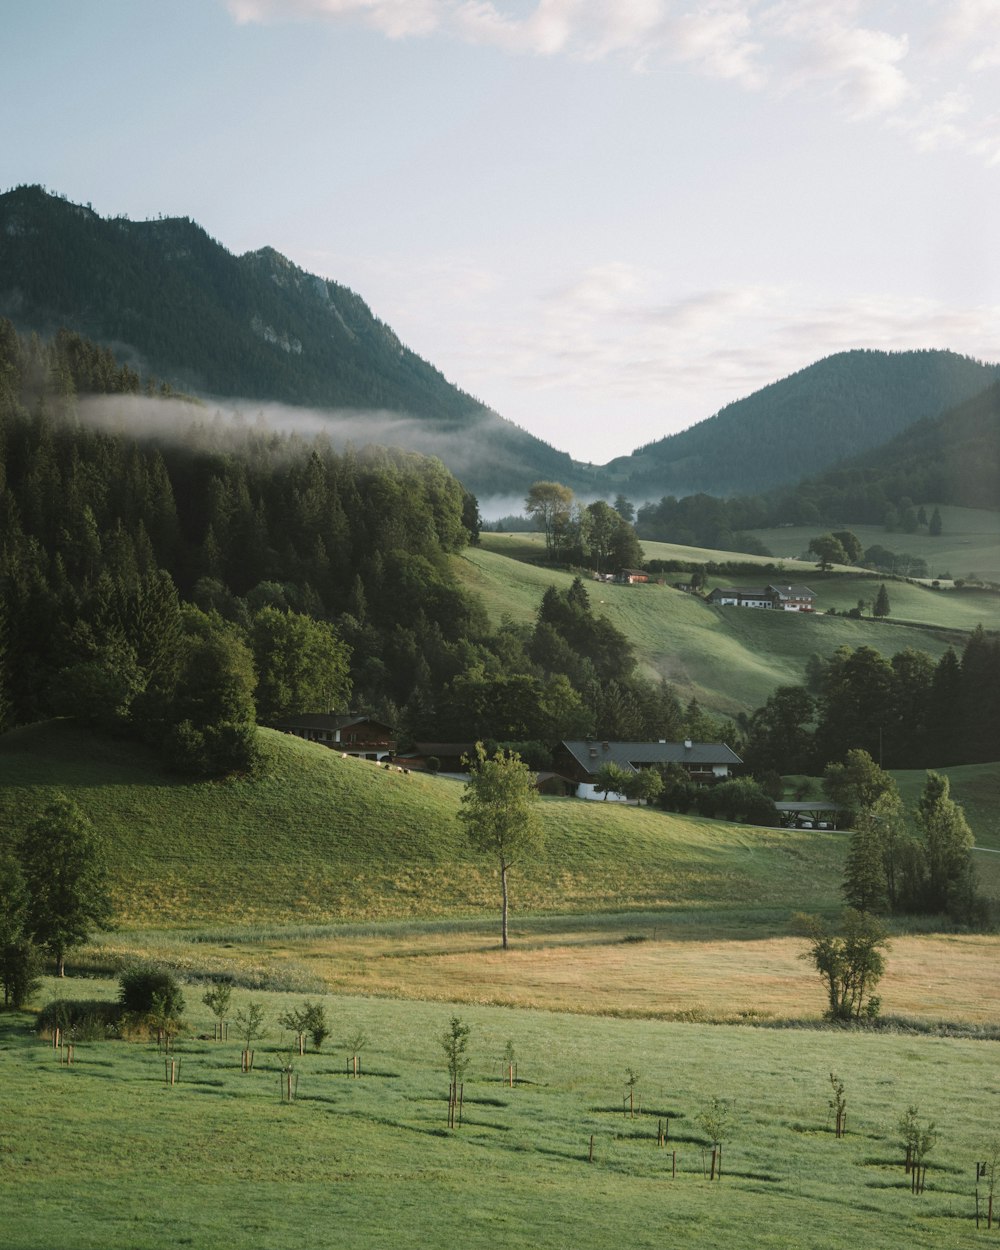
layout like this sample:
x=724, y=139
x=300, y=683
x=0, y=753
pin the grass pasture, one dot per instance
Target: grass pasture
x=106, y=1154
x=326, y=839
x=969, y=542
x=731, y=659
x=663, y=966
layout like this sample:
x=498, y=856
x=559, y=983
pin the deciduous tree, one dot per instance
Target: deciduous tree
x=498, y=808
x=550, y=505
x=65, y=882
x=850, y=963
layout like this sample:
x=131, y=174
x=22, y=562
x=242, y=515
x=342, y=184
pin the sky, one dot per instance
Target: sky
x=606, y=220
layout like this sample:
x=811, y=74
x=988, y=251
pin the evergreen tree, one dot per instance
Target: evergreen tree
x=947, y=842
x=881, y=607
x=934, y=526
x=865, y=886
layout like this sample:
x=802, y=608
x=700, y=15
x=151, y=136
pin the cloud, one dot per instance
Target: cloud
x=862, y=66
x=398, y=19
x=970, y=29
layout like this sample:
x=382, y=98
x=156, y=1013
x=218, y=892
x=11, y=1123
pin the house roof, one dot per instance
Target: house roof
x=793, y=592
x=765, y=592
x=329, y=721
x=633, y=755
x=743, y=592
x=817, y=805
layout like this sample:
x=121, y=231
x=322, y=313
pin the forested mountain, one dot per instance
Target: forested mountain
x=949, y=459
x=172, y=301
x=179, y=587
x=797, y=427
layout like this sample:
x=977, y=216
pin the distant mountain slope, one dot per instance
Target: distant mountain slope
x=797, y=427
x=253, y=327
x=950, y=459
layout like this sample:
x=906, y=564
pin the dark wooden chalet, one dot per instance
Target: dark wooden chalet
x=349, y=733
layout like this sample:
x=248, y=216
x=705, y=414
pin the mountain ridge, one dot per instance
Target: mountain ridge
x=172, y=300
x=169, y=299
x=801, y=425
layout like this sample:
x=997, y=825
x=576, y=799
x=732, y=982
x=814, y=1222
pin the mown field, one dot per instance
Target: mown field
x=105, y=1154
x=729, y=659
x=969, y=543
x=641, y=941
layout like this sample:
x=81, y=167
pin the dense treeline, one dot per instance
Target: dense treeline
x=905, y=712
x=184, y=586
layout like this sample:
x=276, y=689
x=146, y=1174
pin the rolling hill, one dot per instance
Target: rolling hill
x=318, y=838
x=729, y=659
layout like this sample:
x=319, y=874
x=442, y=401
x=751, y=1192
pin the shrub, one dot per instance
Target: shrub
x=143, y=988
x=86, y=1019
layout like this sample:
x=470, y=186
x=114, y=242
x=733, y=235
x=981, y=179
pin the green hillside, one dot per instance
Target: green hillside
x=731, y=660
x=953, y=458
x=321, y=838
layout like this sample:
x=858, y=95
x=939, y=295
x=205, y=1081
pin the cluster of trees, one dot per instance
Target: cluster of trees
x=570, y=674
x=906, y=712
x=705, y=521
x=890, y=870
x=53, y=891
x=596, y=535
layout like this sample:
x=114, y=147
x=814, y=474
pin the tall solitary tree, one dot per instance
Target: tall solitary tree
x=67, y=892
x=550, y=505
x=498, y=808
x=881, y=607
x=947, y=841
x=828, y=551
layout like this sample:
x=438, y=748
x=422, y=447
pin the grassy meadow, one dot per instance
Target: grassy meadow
x=105, y=1153
x=322, y=838
x=641, y=941
x=969, y=543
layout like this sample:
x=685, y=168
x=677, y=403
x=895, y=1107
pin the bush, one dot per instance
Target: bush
x=85, y=1019
x=143, y=987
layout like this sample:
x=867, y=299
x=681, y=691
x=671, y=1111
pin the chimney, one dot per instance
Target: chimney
x=688, y=744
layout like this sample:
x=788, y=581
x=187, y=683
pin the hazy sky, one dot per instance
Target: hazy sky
x=604, y=219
